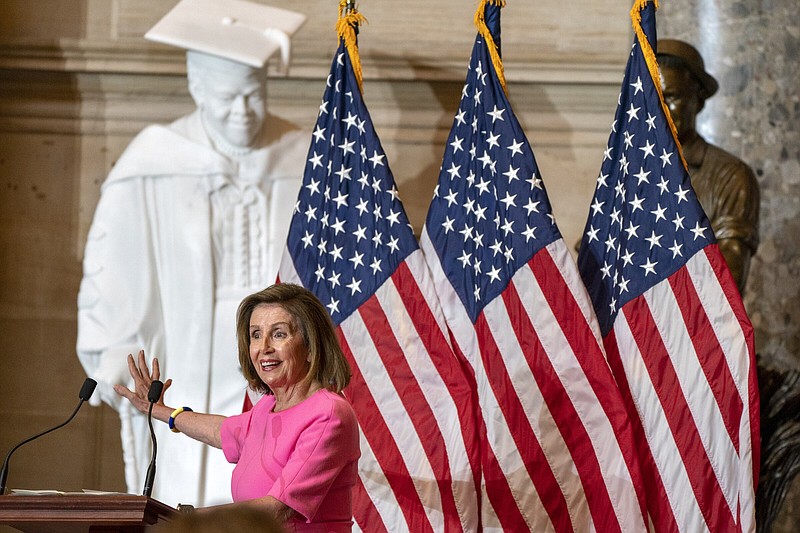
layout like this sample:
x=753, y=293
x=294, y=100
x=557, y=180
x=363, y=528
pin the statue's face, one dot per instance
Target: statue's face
x=682, y=96
x=232, y=98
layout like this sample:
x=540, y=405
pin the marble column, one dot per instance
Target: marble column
x=752, y=47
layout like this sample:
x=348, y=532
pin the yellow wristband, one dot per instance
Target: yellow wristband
x=174, y=415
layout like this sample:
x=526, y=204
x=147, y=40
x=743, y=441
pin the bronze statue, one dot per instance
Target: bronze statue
x=725, y=185
x=729, y=193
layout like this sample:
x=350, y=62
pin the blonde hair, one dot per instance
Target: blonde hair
x=328, y=365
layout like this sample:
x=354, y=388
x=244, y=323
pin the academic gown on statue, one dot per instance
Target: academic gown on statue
x=150, y=283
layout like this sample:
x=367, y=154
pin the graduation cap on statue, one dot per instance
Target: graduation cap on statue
x=238, y=30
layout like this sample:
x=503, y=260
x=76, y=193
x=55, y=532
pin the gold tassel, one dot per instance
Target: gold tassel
x=480, y=23
x=346, y=29
x=652, y=66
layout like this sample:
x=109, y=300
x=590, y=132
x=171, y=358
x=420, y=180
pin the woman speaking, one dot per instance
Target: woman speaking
x=296, y=452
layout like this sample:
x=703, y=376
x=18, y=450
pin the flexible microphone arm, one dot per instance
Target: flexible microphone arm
x=86, y=392
x=153, y=396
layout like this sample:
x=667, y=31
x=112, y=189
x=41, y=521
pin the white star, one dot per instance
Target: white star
x=393, y=246
x=631, y=230
x=350, y=120
x=531, y=206
x=311, y=213
x=343, y=173
x=627, y=258
x=511, y=173
x=647, y=149
x=496, y=114
x=460, y=116
x=453, y=171
x=341, y=199
x=316, y=160
x=698, y=231
x=665, y=158
x=319, y=134
x=509, y=200
x=307, y=239
x=376, y=159
x=320, y=272
x=610, y=243
x=494, y=274
x=681, y=194
x=486, y=159
x=491, y=140
x=636, y=203
x=628, y=138
x=535, y=182
x=376, y=266
x=642, y=176
x=654, y=239
x=529, y=233
x=313, y=187
x=662, y=185
x=637, y=86
x=393, y=218
x=360, y=233
x=338, y=226
x=465, y=259
x=676, y=250
x=515, y=148
x=451, y=198
x=659, y=212
x=633, y=113
x=623, y=285
x=651, y=122
x=507, y=227
x=333, y=306
x=357, y=260
x=678, y=221
x=336, y=253
x=354, y=286
x=597, y=207
x=347, y=147
x=456, y=144
x=606, y=270
x=362, y=206
x=448, y=225
x=649, y=267
x=592, y=234
x=607, y=153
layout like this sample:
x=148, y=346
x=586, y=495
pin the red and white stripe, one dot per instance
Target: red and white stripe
x=559, y=452
x=414, y=407
x=684, y=355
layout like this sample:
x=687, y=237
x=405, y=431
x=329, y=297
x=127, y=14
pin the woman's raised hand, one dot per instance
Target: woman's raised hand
x=142, y=379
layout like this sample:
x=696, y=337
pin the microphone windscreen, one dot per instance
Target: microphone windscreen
x=87, y=389
x=155, y=391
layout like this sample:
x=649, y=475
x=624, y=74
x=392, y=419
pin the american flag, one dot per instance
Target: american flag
x=675, y=331
x=350, y=243
x=558, y=453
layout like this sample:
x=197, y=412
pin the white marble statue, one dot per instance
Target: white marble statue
x=192, y=217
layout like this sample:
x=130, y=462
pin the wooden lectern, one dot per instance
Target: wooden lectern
x=81, y=513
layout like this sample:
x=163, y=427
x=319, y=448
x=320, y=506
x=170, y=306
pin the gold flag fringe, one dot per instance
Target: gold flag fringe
x=346, y=29
x=480, y=23
x=652, y=66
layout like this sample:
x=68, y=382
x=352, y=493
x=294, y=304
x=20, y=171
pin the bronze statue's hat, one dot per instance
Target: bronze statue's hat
x=238, y=30
x=692, y=59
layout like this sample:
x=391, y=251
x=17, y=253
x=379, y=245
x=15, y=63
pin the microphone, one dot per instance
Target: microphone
x=86, y=392
x=153, y=396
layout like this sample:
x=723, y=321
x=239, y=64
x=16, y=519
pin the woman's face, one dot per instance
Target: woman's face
x=277, y=349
